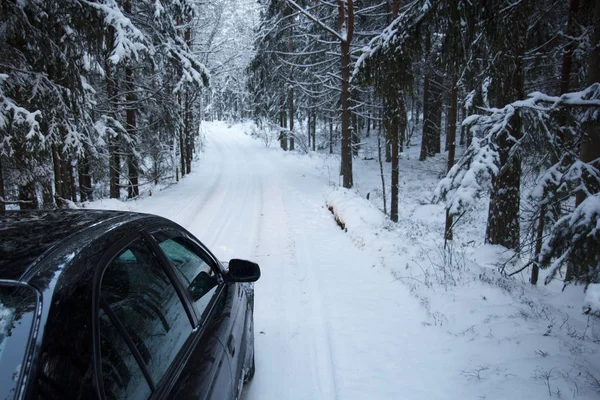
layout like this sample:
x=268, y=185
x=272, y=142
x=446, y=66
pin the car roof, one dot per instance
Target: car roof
x=26, y=236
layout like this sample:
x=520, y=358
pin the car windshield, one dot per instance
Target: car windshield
x=17, y=313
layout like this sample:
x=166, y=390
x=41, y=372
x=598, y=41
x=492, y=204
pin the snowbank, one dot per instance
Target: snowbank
x=592, y=299
x=355, y=214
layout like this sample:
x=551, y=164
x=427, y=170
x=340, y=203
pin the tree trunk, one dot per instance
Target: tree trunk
x=308, y=126
x=72, y=183
x=58, y=182
x=292, y=144
x=567, y=61
x=85, y=179
x=283, y=124
x=67, y=173
x=564, y=88
x=503, y=226
x=451, y=144
x=426, y=139
x=189, y=133
x=355, y=135
x=132, y=161
x=182, y=150
x=381, y=170
x=392, y=116
x=330, y=135
x=314, y=130
x=590, y=148
x=2, y=193
x=346, y=150
x=27, y=197
x=437, y=110
x=114, y=160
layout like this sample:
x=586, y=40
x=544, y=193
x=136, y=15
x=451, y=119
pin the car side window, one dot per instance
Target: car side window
x=199, y=277
x=121, y=374
x=141, y=307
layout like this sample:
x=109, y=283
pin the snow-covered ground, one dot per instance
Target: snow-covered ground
x=376, y=310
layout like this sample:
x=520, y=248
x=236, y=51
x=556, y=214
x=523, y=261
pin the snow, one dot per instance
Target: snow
x=378, y=310
x=592, y=299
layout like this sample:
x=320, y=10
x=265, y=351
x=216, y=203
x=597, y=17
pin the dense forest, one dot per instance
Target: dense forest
x=102, y=97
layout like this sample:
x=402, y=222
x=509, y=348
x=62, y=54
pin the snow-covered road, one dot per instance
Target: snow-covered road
x=335, y=317
x=329, y=324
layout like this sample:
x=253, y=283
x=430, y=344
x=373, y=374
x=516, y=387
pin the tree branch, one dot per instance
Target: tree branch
x=315, y=19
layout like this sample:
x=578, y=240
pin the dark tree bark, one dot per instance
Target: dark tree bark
x=58, y=179
x=451, y=144
x=426, y=140
x=436, y=109
x=567, y=60
x=133, y=189
x=391, y=116
x=381, y=170
x=67, y=172
x=292, y=144
x=2, y=193
x=283, y=140
x=114, y=163
x=131, y=123
x=503, y=226
x=346, y=22
x=308, y=126
x=72, y=183
x=27, y=197
x=564, y=88
x=85, y=178
x=590, y=148
x=314, y=130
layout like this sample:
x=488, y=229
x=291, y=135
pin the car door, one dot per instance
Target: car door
x=147, y=330
x=204, y=284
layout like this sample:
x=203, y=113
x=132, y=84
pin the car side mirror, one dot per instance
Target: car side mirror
x=243, y=271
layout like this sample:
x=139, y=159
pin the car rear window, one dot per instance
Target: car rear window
x=18, y=304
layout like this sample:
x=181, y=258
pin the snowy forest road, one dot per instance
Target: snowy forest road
x=328, y=325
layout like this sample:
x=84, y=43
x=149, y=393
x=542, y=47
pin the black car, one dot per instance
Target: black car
x=116, y=305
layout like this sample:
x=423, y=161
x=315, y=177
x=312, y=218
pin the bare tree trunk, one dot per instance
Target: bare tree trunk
x=590, y=148
x=27, y=197
x=292, y=144
x=308, y=126
x=133, y=189
x=503, y=217
x=314, y=130
x=283, y=140
x=564, y=88
x=2, y=193
x=85, y=179
x=114, y=161
x=391, y=115
x=330, y=135
x=58, y=183
x=567, y=60
x=451, y=144
x=426, y=130
x=436, y=116
x=132, y=161
x=381, y=170
x=346, y=151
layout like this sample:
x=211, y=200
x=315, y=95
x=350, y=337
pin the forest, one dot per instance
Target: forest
x=106, y=99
